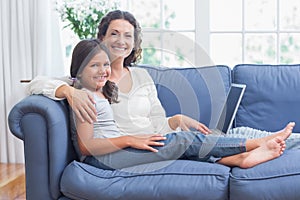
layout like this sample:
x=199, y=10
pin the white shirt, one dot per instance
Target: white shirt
x=138, y=112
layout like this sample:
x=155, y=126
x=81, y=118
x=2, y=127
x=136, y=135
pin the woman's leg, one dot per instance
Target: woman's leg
x=292, y=142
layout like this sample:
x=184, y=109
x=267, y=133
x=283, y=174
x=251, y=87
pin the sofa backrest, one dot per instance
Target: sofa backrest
x=198, y=92
x=272, y=96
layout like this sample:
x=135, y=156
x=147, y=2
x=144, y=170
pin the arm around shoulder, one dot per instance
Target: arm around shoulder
x=47, y=86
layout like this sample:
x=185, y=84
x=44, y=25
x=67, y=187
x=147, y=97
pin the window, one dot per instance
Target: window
x=254, y=31
x=168, y=30
x=193, y=33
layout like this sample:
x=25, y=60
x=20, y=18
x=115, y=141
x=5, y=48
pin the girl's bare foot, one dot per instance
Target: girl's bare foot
x=268, y=150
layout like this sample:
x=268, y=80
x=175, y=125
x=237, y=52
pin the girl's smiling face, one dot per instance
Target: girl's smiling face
x=119, y=38
x=96, y=72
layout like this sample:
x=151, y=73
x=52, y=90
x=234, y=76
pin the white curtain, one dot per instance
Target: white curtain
x=29, y=46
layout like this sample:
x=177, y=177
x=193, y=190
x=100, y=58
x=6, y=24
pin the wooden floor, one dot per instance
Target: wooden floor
x=12, y=182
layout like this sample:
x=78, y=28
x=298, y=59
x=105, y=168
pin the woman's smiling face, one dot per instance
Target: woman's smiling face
x=119, y=38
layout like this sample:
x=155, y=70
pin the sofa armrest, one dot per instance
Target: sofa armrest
x=43, y=125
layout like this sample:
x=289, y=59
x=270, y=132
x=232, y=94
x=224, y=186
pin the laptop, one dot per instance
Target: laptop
x=229, y=109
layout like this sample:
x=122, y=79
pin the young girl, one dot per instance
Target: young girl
x=90, y=69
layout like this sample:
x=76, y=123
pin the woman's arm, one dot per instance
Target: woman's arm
x=164, y=124
x=185, y=123
x=57, y=89
x=47, y=86
x=81, y=102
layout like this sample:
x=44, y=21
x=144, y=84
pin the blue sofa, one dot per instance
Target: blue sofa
x=271, y=99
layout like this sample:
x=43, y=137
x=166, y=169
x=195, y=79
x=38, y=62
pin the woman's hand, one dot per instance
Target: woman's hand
x=80, y=101
x=185, y=123
x=145, y=142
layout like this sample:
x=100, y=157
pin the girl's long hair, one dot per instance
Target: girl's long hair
x=83, y=52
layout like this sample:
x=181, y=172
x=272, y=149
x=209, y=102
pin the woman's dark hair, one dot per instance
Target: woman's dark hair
x=135, y=55
x=83, y=52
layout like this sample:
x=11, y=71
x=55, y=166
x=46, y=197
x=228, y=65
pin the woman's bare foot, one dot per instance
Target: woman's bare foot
x=286, y=132
x=282, y=134
x=268, y=150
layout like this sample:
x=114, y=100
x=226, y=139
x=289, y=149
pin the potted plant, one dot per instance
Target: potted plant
x=83, y=16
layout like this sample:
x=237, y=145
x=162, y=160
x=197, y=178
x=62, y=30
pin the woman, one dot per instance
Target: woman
x=122, y=35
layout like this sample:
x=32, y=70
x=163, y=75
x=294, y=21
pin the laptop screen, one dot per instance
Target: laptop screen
x=230, y=107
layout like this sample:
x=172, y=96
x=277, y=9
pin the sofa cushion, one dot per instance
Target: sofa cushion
x=198, y=92
x=180, y=179
x=272, y=96
x=277, y=179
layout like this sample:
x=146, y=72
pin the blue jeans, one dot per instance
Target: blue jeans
x=178, y=145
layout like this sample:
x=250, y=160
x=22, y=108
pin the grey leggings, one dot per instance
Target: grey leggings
x=293, y=142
